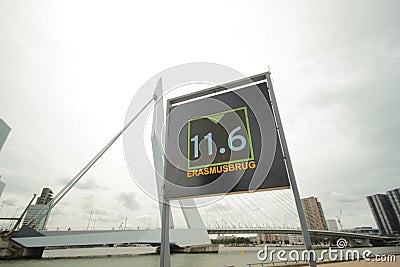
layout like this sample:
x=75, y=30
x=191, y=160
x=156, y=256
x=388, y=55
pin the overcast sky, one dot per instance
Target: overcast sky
x=69, y=69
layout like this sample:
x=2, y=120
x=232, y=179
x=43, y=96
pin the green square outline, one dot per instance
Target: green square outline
x=226, y=162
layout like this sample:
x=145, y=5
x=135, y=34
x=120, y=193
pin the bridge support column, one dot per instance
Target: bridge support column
x=356, y=243
x=12, y=250
x=207, y=248
x=12, y=253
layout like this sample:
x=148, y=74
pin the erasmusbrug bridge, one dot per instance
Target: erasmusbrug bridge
x=272, y=212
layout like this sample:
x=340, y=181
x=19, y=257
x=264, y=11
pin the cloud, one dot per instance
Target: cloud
x=128, y=200
x=87, y=203
x=341, y=197
x=84, y=184
x=89, y=185
x=108, y=216
x=57, y=212
x=108, y=219
x=336, y=84
x=10, y=202
x=145, y=219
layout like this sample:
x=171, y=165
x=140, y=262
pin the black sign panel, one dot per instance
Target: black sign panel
x=223, y=140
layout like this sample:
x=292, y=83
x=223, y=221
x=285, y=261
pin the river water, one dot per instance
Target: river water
x=141, y=256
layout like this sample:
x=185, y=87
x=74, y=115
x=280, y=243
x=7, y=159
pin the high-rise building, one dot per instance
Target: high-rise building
x=314, y=214
x=386, y=209
x=32, y=211
x=394, y=198
x=332, y=225
x=45, y=197
x=4, y=131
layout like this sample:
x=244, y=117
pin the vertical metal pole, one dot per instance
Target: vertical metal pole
x=157, y=140
x=165, y=260
x=300, y=211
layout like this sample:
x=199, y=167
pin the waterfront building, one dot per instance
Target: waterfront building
x=266, y=238
x=332, y=225
x=394, y=198
x=296, y=239
x=385, y=210
x=32, y=211
x=365, y=230
x=273, y=238
x=45, y=197
x=314, y=214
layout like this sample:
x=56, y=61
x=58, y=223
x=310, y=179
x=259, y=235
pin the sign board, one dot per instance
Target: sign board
x=223, y=140
x=4, y=131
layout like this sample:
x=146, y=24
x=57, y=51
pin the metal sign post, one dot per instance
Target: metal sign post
x=165, y=259
x=303, y=223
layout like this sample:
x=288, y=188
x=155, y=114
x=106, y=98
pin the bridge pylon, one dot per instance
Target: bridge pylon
x=188, y=206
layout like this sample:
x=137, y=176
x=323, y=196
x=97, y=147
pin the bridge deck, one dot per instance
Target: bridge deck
x=180, y=237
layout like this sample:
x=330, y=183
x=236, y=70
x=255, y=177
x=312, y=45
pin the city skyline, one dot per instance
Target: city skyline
x=66, y=85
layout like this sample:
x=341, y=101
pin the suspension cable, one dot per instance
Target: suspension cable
x=49, y=206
